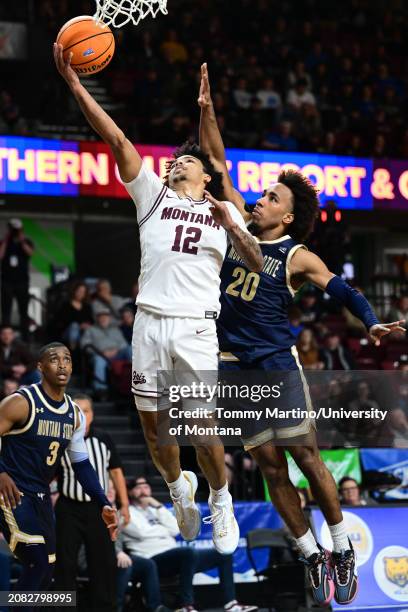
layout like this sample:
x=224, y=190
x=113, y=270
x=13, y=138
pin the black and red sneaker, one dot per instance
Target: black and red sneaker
x=321, y=581
x=345, y=575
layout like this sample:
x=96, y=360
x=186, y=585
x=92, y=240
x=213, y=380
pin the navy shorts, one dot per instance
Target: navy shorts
x=292, y=407
x=32, y=522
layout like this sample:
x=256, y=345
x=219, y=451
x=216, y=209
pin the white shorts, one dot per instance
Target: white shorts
x=182, y=345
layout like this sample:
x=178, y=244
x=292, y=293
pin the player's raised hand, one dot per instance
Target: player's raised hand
x=220, y=212
x=9, y=493
x=204, y=97
x=110, y=518
x=383, y=329
x=64, y=67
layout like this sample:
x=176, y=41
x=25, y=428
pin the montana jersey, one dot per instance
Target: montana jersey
x=32, y=452
x=182, y=250
x=254, y=306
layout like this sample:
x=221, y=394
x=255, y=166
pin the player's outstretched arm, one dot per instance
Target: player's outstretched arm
x=245, y=245
x=308, y=267
x=13, y=411
x=128, y=159
x=212, y=144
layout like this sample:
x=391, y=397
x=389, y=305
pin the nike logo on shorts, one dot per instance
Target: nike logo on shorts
x=200, y=331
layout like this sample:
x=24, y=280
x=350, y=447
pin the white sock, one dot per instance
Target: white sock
x=307, y=544
x=178, y=487
x=339, y=536
x=220, y=496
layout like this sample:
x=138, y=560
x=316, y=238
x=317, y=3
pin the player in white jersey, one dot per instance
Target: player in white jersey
x=183, y=234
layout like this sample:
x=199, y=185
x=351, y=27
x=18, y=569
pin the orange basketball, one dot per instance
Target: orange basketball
x=92, y=44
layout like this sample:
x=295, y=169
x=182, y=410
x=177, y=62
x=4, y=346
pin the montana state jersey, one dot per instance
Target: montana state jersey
x=253, y=323
x=182, y=250
x=31, y=452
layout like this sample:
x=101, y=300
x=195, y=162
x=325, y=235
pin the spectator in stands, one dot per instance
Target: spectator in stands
x=10, y=386
x=300, y=95
x=299, y=74
x=309, y=306
x=9, y=567
x=295, y=320
x=269, y=98
x=399, y=312
x=152, y=553
x=335, y=355
x=172, y=49
x=397, y=423
x=75, y=316
x=131, y=303
x=241, y=96
x=365, y=432
x=308, y=350
x=78, y=519
x=16, y=360
x=15, y=252
x=308, y=127
x=349, y=492
x=127, y=321
x=103, y=300
x=105, y=343
x=282, y=140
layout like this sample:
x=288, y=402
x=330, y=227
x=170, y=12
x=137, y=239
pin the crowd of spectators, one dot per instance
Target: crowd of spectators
x=286, y=76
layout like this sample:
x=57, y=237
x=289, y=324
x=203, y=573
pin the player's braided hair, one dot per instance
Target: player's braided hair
x=305, y=203
x=215, y=186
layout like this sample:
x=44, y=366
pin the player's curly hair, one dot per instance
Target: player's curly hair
x=305, y=198
x=215, y=186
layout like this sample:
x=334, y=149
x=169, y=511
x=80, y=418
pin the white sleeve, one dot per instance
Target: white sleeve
x=77, y=450
x=236, y=216
x=145, y=190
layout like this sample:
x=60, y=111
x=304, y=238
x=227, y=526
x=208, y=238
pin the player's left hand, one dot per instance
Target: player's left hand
x=383, y=329
x=220, y=212
x=110, y=518
x=204, y=97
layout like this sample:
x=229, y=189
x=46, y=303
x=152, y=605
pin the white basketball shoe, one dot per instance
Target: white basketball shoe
x=224, y=525
x=187, y=512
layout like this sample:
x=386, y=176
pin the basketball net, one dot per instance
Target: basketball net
x=119, y=12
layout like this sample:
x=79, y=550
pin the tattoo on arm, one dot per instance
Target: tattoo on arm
x=247, y=248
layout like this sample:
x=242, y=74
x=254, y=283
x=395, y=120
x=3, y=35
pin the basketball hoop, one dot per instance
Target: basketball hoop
x=119, y=12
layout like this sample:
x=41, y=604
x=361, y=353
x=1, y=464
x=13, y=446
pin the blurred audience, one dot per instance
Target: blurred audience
x=147, y=551
x=105, y=343
x=126, y=323
x=75, y=315
x=15, y=252
x=104, y=300
x=16, y=361
x=335, y=355
x=308, y=350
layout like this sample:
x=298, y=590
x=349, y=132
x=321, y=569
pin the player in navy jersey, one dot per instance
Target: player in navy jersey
x=254, y=334
x=37, y=424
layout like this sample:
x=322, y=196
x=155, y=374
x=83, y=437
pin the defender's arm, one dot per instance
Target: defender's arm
x=212, y=144
x=128, y=159
x=306, y=266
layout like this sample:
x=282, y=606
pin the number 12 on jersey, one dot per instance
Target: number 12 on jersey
x=192, y=235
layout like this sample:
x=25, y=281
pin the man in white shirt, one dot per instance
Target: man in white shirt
x=184, y=232
x=152, y=553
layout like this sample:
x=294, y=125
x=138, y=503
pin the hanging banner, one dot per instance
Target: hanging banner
x=36, y=166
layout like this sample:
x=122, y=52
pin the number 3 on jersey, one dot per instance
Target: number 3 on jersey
x=249, y=282
x=51, y=459
x=193, y=234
